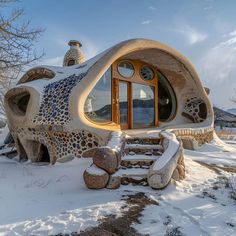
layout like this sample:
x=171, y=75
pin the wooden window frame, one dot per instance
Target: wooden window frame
x=136, y=78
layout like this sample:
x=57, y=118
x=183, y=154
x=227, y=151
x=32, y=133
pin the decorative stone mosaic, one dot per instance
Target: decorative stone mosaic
x=54, y=108
x=60, y=144
x=195, y=109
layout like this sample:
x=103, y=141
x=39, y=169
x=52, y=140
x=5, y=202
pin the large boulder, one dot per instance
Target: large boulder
x=95, y=178
x=106, y=159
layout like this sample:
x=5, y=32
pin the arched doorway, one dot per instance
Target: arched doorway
x=135, y=92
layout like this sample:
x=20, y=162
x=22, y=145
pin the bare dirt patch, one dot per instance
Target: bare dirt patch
x=120, y=226
x=226, y=134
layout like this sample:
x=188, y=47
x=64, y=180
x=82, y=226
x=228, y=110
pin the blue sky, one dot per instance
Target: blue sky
x=202, y=30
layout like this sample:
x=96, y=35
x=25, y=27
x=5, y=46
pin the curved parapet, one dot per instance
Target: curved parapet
x=160, y=173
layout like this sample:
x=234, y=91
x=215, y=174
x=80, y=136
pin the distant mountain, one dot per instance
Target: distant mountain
x=232, y=111
x=221, y=115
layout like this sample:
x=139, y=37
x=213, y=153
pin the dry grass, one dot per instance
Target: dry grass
x=226, y=134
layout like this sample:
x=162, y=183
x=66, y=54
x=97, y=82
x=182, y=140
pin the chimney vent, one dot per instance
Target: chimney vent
x=74, y=55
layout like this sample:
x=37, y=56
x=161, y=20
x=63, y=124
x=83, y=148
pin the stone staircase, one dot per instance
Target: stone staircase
x=139, y=155
x=143, y=160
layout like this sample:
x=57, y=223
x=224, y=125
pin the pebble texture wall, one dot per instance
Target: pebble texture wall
x=54, y=108
x=61, y=144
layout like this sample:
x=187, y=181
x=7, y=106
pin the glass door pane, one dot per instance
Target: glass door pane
x=123, y=104
x=143, y=105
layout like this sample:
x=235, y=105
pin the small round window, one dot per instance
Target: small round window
x=147, y=73
x=126, y=69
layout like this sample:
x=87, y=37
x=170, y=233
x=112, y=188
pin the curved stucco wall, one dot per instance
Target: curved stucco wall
x=177, y=68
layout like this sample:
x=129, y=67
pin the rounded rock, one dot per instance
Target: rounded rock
x=106, y=159
x=95, y=178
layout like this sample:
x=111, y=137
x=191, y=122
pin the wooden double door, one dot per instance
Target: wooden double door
x=134, y=104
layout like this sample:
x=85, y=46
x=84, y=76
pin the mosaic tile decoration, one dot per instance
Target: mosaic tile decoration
x=195, y=109
x=54, y=107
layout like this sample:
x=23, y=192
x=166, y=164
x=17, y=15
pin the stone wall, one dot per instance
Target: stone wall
x=59, y=144
x=201, y=135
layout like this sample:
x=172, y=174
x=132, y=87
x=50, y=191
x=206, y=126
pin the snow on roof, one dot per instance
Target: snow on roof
x=61, y=73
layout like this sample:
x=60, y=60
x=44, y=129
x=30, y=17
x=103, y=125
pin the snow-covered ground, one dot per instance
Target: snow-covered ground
x=46, y=200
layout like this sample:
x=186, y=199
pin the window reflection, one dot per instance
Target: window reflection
x=126, y=69
x=98, y=103
x=143, y=105
x=166, y=99
x=123, y=104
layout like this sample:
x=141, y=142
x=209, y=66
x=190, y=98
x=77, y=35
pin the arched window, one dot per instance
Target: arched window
x=166, y=99
x=98, y=106
x=19, y=103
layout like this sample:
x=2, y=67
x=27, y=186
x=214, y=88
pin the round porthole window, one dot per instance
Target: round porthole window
x=126, y=69
x=147, y=73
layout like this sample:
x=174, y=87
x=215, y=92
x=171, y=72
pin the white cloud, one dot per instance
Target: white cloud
x=231, y=39
x=233, y=33
x=146, y=22
x=207, y=8
x=218, y=69
x=54, y=61
x=192, y=35
x=151, y=8
x=220, y=61
x=90, y=49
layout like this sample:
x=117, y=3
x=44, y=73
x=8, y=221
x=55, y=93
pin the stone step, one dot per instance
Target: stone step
x=146, y=146
x=133, y=172
x=144, y=140
x=135, y=176
x=148, y=150
x=134, y=181
x=138, y=160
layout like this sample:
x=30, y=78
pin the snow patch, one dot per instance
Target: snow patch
x=171, y=150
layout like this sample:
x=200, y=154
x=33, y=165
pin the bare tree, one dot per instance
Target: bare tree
x=17, y=41
x=233, y=99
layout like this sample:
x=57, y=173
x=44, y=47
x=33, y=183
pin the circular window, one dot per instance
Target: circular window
x=126, y=69
x=147, y=73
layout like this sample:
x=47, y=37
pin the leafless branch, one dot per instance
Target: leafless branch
x=17, y=42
